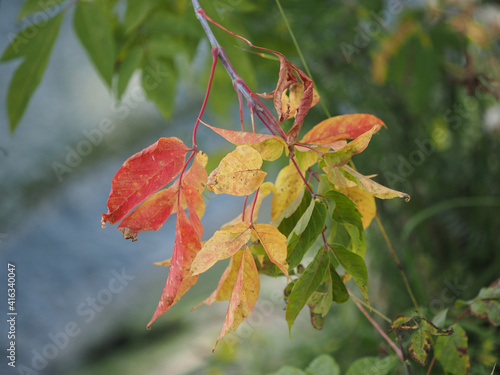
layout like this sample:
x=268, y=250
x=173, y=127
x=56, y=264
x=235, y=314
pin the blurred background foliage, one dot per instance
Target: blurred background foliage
x=428, y=69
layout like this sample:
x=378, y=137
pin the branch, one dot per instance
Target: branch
x=253, y=101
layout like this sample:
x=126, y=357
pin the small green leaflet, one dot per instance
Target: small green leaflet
x=305, y=232
x=305, y=286
x=36, y=49
x=94, y=31
x=127, y=67
x=320, y=302
x=451, y=352
x=353, y=264
x=373, y=366
x=339, y=291
x=159, y=82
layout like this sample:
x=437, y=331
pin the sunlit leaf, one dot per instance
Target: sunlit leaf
x=274, y=243
x=238, y=173
x=451, y=352
x=223, y=244
x=288, y=187
x=142, y=174
x=341, y=127
x=305, y=286
x=244, y=294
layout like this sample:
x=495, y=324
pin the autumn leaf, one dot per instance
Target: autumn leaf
x=274, y=243
x=341, y=128
x=291, y=102
x=364, y=202
x=186, y=246
x=142, y=174
x=245, y=291
x=288, y=186
x=487, y=303
x=223, y=244
x=155, y=210
x=269, y=146
x=451, y=352
x=238, y=173
x=374, y=188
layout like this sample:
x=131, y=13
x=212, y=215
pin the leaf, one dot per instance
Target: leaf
x=142, y=174
x=96, y=35
x=159, y=82
x=341, y=127
x=27, y=77
x=320, y=301
x=451, y=352
x=305, y=232
x=291, y=103
x=223, y=244
x=238, y=173
x=323, y=365
x=274, y=244
x=288, y=185
x=270, y=147
x=401, y=322
x=354, y=265
x=289, y=370
x=373, y=366
x=187, y=244
x=136, y=13
x=487, y=303
x=244, y=295
x=30, y=7
x=341, y=157
x=373, y=187
x=291, y=218
x=128, y=66
x=339, y=291
x=364, y=202
x=305, y=286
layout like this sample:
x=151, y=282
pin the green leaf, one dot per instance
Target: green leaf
x=487, y=303
x=33, y=6
x=95, y=33
x=323, y=365
x=136, y=13
x=355, y=265
x=305, y=232
x=159, y=82
x=339, y=291
x=373, y=366
x=28, y=75
x=291, y=218
x=128, y=66
x=320, y=302
x=420, y=344
x=401, y=322
x=344, y=211
x=289, y=370
x=451, y=352
x=305, y=286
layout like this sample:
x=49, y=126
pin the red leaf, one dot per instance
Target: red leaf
x=341, y=128
x=142, y=174
x=187, y=244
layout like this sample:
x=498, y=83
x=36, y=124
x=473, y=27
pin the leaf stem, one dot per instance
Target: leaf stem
x=380, y=330
x=370, y=307
x=398, y=264
x=302, y=177
x=253, y=204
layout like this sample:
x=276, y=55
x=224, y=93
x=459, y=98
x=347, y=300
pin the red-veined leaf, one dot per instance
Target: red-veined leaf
x=142, y=174
x=340, y=128
x=187, y=244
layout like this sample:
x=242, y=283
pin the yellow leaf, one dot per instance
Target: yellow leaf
x=165, y=263
x=365, y=203
x=288, y=187
x=238, y=173
x=223, y=244
x=274, y=243
x=245, y=291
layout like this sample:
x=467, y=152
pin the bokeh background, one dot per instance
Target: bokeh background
x=428, y=69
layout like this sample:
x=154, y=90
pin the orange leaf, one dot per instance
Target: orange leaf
x=274, y=243
x=288, y=186
x=187, y=245
x=223, y=244
x=269, y=146
x=245, y=291
x=142, y=174
x=341, y=128
x=238, y=173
